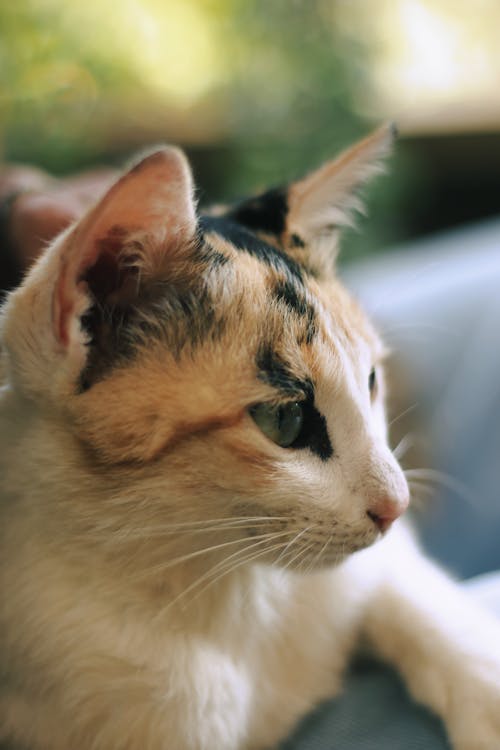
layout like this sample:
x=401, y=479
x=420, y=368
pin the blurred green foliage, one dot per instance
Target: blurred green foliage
x=257, y=91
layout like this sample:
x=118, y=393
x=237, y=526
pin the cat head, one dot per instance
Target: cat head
x=212, y=364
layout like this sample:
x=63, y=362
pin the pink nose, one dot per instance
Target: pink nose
x=384, y=510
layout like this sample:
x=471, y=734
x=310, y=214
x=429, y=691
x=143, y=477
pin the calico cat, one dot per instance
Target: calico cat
x=194, y=464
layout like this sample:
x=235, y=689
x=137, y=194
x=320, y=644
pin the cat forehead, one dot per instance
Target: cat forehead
x=239, y=239
x=242, y=323
x=240, y=285
x=298, y=307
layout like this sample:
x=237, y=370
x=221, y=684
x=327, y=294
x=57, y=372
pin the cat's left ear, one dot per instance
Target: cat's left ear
x=325, y=201
x=307, y=215
x=136, y=234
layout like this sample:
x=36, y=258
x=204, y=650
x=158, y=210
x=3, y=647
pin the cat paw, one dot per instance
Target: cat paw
x=474, y=720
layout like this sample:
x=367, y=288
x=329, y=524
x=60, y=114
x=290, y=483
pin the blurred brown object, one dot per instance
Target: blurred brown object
x=35, y=207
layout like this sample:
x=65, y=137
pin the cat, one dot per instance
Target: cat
x=199, y=507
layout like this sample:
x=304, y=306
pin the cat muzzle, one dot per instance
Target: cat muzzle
x=385, y=510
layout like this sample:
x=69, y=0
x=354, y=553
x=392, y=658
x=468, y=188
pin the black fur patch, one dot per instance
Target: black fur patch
x=211, y=257
x=296, y=241
x=243, y=239
x=104, y=348
x=179, y=315
x=265, y=213
x=187, y=317
x=127, y=315
x=287, y=292
x=277, y=373
x=311, y=326
x=293, y=297
x=314, y=434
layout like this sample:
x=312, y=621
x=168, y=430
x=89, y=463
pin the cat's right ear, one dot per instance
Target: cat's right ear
x=135, y=233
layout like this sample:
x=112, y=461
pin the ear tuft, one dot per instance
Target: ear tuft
x=327, y=199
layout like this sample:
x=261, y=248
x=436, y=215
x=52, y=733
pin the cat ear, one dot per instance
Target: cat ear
x=326, y=200
x=135, y=233
x=127, y=239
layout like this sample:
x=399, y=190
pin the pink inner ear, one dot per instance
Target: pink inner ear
x=73, y=287
x=102, y=274
x=154, y=198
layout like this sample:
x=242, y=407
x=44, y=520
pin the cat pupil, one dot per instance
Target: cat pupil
x=372, y=381
x=289, y=422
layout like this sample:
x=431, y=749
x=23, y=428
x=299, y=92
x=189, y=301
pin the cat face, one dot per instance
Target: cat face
x=210, y=370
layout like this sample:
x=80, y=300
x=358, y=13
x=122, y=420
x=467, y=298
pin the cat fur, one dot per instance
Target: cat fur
x=171, y=578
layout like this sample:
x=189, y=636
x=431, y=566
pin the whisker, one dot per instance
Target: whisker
x=418, y=492
x=238, y=562
x=299, y=553
x=200, y=527
x=242, y=519
x=440, y=477
x=404, y=445
x=214, y=569
x=408, y=338
x=403, y=413
x=292, y=542
x=303, y=553
x=420, y=484
x=154, y=570
x=388, y=330
x=307, y=570
x=320, y=553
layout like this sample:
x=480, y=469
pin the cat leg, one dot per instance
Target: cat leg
x=446, y=647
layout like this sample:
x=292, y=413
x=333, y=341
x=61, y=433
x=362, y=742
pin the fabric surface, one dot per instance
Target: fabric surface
x=375, y=711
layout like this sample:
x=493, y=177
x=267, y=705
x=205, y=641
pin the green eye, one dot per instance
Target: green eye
x=281, y=423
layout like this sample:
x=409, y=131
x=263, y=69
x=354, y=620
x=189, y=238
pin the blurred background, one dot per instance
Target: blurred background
x=260, y=91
